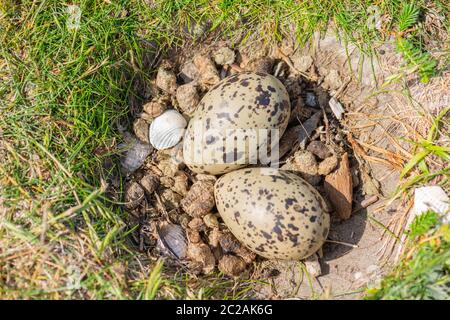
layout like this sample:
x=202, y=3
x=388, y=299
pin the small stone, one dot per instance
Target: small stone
x=201, y=253
x=370, y=186
x=184, y=220
x=146, y=117
x=358, y=275
x=167, y=182
x=231, y=265
x=170, y=199
x=312, y=265
x=193, y=236
x=189, y=72
x=431, y=198
x=150, y=183
x=211, y=221
x=224, y=56
x=311, y=100
x=246, y=254
x=302, y=63
x=304, y=163
x=333, y=80
x=140, y=128
x=167, y=164
x=188, y=98
x=328, y=165
x=319, y=149
x=197, y=224
x=208, y=73
x=199, y=201
x=180, y=183
x=263, y=65
x=214, y=237
x=166, y=80
x=293, y=86
x=228, y=242
x=134, y=195
x=299, y=134
x=156, y=106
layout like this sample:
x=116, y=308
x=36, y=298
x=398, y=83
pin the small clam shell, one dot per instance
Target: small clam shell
x=173, y=239
x=167, y=129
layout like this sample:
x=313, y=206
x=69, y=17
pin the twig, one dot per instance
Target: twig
x=343, y=243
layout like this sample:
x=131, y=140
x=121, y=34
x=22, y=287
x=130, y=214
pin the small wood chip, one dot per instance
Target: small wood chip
x=339, y=189
x=336, y=107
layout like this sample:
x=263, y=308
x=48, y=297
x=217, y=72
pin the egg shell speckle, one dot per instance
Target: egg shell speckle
x=275, y=213
x=230, y=112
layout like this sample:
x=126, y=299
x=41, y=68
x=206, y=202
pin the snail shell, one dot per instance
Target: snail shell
x=167, y=129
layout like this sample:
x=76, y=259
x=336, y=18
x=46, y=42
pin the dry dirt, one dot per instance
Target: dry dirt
x=375, y=117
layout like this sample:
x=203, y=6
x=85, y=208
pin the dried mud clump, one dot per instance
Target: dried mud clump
x=199, y=201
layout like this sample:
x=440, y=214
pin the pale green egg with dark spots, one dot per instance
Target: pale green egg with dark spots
x=275, y=213
x=235, y=124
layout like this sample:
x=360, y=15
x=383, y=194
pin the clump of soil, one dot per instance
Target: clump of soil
x=174, y=208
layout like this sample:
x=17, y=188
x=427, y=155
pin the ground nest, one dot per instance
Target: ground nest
x=174, y=208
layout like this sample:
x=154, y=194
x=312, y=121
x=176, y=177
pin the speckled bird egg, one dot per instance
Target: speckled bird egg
x=238, y=118
x=275, y=213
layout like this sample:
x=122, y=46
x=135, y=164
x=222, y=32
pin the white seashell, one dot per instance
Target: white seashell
x=167, y=129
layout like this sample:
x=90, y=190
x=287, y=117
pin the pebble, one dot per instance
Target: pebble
x=208, y=73
x=312, y=265
x=231, y=265
x=166, y=80
x=156, y=106
x=171, y=199
x=304, y=163
x=264, y=65
x=224, y=56
x=197, y=224
x=193, y=236
x=302, y=63
x=134, y=195
x=189, y=72
x=199, y=201
x=211, y=221
x=319, y=149
x=140, y=129
x=180, y=183
x=201, y=253
x=311, y=100
x=187, y=98
x=333, y=80
x=328, y=165
x=150, y=183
